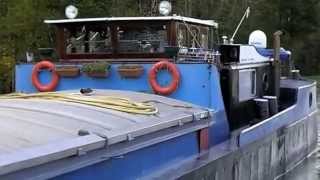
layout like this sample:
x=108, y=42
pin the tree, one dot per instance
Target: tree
x=22, y=27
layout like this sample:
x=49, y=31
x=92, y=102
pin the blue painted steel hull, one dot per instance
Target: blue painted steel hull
x=199, y=85
x=263, y=151
x=139, y=163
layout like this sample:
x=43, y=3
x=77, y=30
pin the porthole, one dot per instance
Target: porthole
x=310, y=99
x=265, y=81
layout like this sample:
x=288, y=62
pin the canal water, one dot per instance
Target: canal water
x=310, y=168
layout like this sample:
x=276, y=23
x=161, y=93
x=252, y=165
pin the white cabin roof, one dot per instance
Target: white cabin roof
x=158, y=18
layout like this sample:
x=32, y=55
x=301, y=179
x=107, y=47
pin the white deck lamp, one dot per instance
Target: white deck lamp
x=165, y=8
x=71, y=12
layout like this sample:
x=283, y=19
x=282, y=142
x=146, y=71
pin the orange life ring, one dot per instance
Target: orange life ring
x=172, y=68
x=45, y=64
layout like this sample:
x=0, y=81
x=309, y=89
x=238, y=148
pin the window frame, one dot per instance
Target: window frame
x=199, y=28
x=115, y=54
x=246, y=93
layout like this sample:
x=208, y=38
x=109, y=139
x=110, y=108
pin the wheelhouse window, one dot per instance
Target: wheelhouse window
x=88, y=39
x=247, y=84
x=128, y=39
x=192, y=36
x=142, y=39
x=182, y=36
x=204, y=38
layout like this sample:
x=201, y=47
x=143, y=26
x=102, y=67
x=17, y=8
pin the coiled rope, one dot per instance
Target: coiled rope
x=107, y=102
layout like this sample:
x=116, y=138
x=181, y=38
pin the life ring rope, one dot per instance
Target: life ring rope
x=173, y=70
x=44, y=65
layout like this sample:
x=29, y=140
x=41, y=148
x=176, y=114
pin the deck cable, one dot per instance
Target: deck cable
x=107, y=102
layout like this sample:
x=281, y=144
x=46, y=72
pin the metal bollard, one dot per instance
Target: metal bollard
x=262, y=108
x=273, y=104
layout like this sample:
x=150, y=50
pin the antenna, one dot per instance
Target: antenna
x=246, y=15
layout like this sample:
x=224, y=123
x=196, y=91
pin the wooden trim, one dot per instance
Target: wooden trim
x=115, y=56
x=61, y=44
x=172, y=31
x=61, y=40
x=203, y=139
x=112, y=60
x=141, y=55
x=114, y=39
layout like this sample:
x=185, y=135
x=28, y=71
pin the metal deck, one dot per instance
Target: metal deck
x=37, y=131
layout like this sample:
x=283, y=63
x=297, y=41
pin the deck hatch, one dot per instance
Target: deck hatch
x=34, y=131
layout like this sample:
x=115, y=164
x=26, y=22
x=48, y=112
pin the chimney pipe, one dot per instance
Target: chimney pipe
x=276, y=64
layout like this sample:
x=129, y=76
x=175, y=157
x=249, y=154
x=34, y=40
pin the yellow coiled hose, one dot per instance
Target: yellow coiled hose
x=108, y=102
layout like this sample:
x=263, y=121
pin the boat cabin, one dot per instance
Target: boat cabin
x=244, y=72
x=167, y=55
x=222, y=108
x=130, y=37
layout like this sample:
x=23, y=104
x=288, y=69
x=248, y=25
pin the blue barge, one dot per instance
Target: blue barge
x=227, y=114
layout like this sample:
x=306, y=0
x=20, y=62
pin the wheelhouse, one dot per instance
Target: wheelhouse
x=131, y=37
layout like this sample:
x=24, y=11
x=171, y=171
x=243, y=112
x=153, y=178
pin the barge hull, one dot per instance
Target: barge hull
x=269, y=158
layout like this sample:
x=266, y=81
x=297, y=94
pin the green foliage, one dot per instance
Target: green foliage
x=307, y=57
x=6, y=70
x=98, y=67
x=23, y=27
x=299, y=17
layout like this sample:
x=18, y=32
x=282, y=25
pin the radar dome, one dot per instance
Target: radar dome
x=258, y=39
